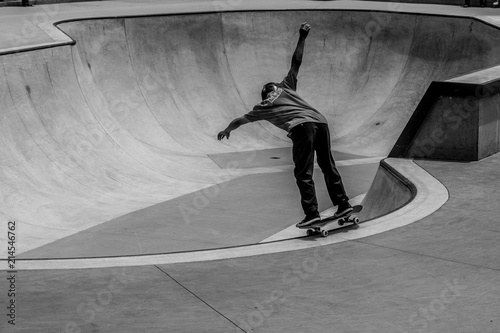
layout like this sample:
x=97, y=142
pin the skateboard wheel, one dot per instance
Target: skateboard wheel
x=356, y=220
x=309, y=232
x=341, y=222
x=324, y=233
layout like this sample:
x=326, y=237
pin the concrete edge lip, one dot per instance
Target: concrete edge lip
x=59, y=38
x=293, y=232
x=431, y=195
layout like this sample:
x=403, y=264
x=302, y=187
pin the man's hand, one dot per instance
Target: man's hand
x=232, y=126
x=304, y=29
x=222, y=135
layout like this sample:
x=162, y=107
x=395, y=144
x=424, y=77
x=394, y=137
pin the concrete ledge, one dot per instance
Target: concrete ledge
x=158, y=9
x=430, y=196
x=457, y=119
x=389, y=192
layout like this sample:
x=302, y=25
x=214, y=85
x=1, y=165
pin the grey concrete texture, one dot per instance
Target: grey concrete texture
x=456, y=123
x=465, y=229
x=244, y=211
x=351, y=287
x=100, y=140
x=440, y=274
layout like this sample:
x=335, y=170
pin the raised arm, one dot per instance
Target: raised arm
x=299, y=50
x=231, y=127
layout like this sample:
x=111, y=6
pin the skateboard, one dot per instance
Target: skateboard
x=321, y=227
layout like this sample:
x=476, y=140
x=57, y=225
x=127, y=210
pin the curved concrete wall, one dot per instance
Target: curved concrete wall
x=388, y=192
x=203, y=70
x=126, y=118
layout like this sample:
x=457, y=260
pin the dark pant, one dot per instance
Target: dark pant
x=308, y=138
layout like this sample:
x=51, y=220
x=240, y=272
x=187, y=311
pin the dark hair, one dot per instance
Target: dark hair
x=266, y=89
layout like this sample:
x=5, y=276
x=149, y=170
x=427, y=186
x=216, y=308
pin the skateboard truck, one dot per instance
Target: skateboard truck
x=321, y=227
x=341, y=221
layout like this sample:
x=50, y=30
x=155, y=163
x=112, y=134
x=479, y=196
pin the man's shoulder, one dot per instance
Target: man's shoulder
x=290, y=80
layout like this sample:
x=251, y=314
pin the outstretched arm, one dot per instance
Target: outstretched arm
x=231, y=127
x=299, y=50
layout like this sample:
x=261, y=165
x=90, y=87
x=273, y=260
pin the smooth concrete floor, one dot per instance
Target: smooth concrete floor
x=245, y=211
x=440, y=274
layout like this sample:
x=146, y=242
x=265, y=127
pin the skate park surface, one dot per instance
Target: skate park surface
x=132, y=217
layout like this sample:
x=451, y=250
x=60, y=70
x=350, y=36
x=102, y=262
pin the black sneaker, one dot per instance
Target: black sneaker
x=343, y=209
x=308, y=220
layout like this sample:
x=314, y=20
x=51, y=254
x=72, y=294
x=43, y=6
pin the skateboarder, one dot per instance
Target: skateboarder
x=308, y=129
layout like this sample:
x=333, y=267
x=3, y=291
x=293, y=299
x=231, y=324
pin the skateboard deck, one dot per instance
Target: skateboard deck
x=322, y=227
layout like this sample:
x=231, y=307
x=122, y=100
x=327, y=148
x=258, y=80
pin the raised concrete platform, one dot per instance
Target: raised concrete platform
x=457, y=119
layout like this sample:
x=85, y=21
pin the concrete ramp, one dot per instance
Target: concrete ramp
x=389, y=191
x=127, y=117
